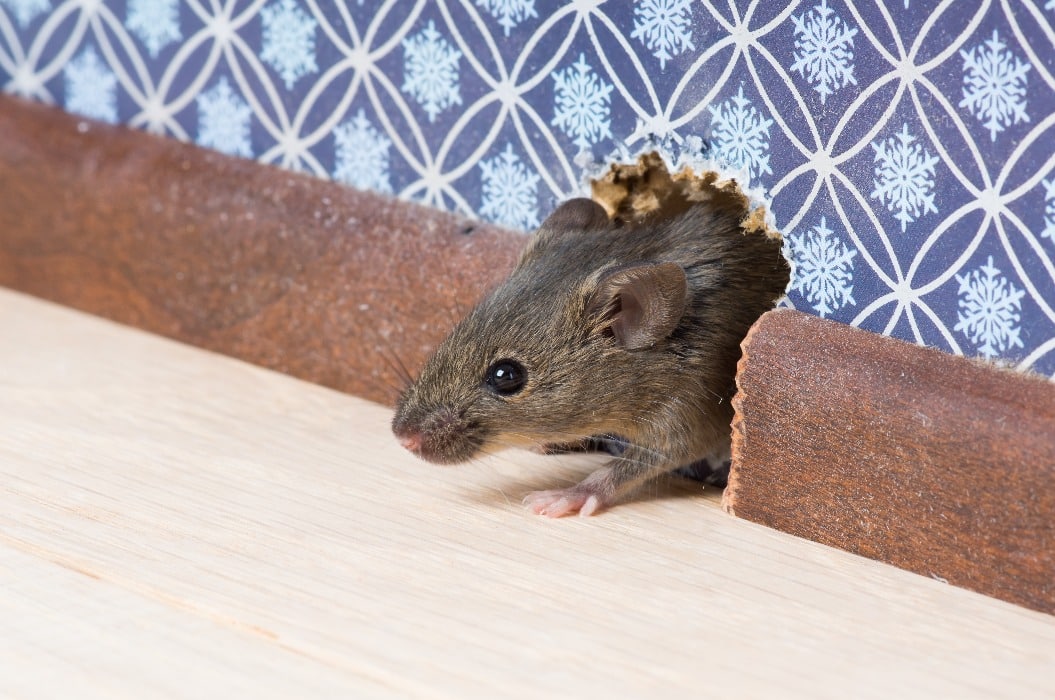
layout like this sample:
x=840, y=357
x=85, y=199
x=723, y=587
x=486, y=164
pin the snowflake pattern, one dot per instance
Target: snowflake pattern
x=904, y=172
x=740, y=136
x=540, y=82
x=994, y=85
x=362, y=155
x=824, y=269
x=989, y=310
x=664, y=27
x=26, y=10
x=509, y=13
x=155, y=22
x=581, y=104
x=824, y=50
x=1049, y=210
x=91, y=87
x=510, y=191
x=288, y=43
x=430, y=72
x=223, y=120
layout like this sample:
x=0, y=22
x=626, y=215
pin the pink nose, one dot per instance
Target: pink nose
x=411, y=441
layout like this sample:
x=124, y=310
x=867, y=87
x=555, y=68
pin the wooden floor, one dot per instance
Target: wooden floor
x=178, y=524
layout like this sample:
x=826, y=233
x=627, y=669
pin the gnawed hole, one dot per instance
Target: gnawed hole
x=647, y=188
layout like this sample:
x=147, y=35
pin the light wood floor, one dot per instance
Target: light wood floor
x=178, y=524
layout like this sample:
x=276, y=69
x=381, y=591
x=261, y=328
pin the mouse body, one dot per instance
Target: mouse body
x=604, y=327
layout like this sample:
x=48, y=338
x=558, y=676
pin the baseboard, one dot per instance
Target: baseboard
x=287, y=271
x=934, y=463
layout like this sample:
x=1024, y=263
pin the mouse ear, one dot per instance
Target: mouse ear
x=641, y=304
x=575, y=215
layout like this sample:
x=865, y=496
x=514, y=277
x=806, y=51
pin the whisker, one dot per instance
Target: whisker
x=458, y=311
x=402, y=370
x=382, y=385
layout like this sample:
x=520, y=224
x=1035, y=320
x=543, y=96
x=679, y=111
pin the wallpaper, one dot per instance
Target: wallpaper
x=906, y=147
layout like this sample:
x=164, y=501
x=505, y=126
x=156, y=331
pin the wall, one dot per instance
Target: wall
x=907, y=147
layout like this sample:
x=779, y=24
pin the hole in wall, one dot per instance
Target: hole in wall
x=648, y=190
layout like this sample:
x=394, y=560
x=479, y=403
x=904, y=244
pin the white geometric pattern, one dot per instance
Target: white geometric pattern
x=431, y=71
x=288, y=44
x=823, y=268
x=362, y=155
x=91, y=87
x=904, y=177
x=989, y=310
x=582, y=104
x=155, y=22
x=741, y=135
x=510, y=192
x=907, y=149
x=509, y=13
x=223, y=120
x=664, y=26
x=26, y=10
x=994, y=85
x=824, y=50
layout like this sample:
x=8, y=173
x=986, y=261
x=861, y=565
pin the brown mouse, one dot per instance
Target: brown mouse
x=604, y=327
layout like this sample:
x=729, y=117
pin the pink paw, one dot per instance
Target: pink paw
x=561, y=502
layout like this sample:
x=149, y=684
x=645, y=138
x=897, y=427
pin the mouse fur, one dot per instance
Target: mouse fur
x=621, y=328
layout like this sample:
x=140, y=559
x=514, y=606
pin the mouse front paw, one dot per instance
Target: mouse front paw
x=560, y=502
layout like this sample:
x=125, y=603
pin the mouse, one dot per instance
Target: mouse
x=605, y=327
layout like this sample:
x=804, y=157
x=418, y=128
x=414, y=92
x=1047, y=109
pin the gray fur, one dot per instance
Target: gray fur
x=670, y=401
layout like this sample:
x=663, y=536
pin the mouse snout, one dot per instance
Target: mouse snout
x=410, y=441
x=408, y=434
x=440, y=435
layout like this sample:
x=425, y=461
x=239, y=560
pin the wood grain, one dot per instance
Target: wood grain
x=934, y=463
x=175, y=523
x=287, y=271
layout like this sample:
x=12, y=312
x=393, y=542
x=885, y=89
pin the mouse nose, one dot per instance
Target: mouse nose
x=411, y=441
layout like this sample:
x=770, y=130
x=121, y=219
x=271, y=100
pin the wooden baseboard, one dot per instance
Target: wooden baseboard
x=934, y=463
x=287, y=271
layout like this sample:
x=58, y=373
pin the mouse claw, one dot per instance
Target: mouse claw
x=560, y=502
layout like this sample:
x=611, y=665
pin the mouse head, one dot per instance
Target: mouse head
x=534, y=360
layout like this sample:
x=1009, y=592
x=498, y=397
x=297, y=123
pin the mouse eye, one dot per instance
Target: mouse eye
x=506, y=377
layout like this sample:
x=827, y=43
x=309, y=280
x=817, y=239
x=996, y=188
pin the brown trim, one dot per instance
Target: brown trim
x=934, y=463
x=284, y=270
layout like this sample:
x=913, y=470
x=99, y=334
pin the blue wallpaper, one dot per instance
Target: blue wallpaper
x=907, y=147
